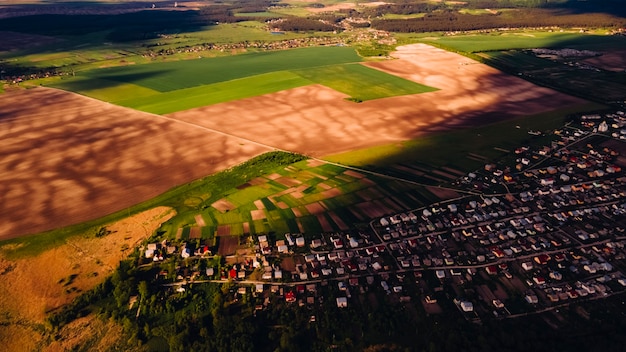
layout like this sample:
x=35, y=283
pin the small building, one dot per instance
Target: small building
x=531, y=298
x=467, y=306
x=342, y=302
x=300, y=242
x=527, y=266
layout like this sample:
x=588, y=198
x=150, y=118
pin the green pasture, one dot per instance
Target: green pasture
x=474, y=11
x=106, y=90
x=169, y=76
x=472, y=43
x=183, y=99
x=362, y=83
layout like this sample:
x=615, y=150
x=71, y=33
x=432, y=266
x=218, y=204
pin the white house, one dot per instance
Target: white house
x=467, y=306
x=342, y=302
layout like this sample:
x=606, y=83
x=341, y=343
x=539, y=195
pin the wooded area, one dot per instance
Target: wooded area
x=450, y=20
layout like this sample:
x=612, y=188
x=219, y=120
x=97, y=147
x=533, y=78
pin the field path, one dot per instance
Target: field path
x=316, y=120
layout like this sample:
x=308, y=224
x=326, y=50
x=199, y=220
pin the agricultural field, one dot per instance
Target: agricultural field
x=67, y=159
x=507, y=40
x=309, y=196
x=169, y=76
x=581, y=76
x=469, y=94
x=174, y=86
x=197, y=142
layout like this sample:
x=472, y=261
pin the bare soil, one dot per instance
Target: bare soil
x=66, y=159
x=228, y=245
x=317, y=121
x=611, y=61
x=443, y=193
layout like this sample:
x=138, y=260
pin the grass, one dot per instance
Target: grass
x=189, y=98
x=168, y=87
x=255, y=14
x=169, y=76
x=496, y=41
x=394, y=16
x=106, y=90
x=362, y=83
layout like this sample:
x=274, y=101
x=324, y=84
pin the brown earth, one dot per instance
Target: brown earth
x=317, y=121
x=611, y=61
x=34, y=286
x=66, y=159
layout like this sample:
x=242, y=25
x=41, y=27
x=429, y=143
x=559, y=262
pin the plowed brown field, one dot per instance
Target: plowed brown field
x=65, y=158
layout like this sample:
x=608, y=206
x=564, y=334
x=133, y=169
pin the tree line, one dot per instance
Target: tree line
x=450, y=20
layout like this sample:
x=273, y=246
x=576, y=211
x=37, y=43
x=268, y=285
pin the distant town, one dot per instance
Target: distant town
x=546, y=228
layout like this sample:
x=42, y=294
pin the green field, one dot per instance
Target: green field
x=362, y=83
x=560, y=74
x=167, y=87
x=169, y=76
x=472, y=43
x=189, y=98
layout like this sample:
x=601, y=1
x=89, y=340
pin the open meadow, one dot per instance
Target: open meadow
x=527, y=39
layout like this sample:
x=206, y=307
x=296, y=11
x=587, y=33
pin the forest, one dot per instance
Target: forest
x=451, y=20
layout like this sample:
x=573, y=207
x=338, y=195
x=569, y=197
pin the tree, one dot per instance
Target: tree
x=143, y=290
